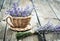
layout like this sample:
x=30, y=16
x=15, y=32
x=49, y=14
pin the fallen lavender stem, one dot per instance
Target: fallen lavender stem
x=48, y=28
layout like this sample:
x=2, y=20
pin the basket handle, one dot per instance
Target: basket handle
x=10, y=20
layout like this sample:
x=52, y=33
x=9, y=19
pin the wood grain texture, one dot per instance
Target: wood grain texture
x=31, y=38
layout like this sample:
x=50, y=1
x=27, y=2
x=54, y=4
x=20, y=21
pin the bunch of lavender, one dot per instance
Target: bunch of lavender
x=48, y=27
x=20, y=12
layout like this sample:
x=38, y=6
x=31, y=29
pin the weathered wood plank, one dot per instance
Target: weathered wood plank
x=31, y=38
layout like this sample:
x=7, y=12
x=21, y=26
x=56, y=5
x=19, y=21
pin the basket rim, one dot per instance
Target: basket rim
x=22, y=17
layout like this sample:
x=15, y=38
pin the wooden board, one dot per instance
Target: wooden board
x=31, y=38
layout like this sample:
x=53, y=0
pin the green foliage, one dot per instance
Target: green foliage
x=21, y=35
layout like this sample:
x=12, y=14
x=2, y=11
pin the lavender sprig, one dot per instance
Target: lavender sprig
x=46, y=27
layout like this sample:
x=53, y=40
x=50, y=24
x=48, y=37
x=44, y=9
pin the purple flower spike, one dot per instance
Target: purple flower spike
x=57, y=28
x=15, y=5
x=20, y=12
x=27, y=11
x=27, y=7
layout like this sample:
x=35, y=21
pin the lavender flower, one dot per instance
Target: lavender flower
x=48, y=26
x=57, y=28
x=27, y=11
x=20, y=12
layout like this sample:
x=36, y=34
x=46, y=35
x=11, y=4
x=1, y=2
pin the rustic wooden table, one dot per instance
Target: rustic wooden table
x=43, y=10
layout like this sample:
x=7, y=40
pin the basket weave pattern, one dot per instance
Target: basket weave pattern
x=20, y=22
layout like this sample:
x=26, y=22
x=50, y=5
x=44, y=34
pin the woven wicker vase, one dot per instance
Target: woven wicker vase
x=19, y=22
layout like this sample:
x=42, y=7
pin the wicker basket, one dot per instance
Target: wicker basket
x=19, y=22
